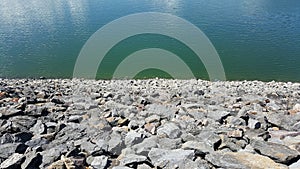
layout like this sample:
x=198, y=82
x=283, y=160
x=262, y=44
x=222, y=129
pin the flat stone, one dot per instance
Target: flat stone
x=277, y=152
x=242, y=160
x=169, y=158
x=132, y=158
x=200, y=148
x=6, y=112
x=14, y=161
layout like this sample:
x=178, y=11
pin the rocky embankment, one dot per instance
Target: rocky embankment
x=145, y=124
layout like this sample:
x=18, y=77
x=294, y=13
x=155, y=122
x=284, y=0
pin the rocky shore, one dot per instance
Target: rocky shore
x=144, y=124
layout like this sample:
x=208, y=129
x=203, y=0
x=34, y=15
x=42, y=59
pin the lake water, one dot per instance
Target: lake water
x=256, y=39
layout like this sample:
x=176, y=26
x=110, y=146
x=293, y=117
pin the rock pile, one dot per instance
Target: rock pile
x=144, y=124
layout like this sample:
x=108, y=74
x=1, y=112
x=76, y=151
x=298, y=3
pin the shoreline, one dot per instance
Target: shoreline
x=149, y=123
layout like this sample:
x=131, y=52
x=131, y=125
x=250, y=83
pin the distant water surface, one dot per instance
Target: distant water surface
x=256, y=39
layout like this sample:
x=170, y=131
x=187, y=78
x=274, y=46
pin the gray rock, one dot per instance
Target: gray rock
x=51, y=155
x=144, y=147
x=210, y=138
x=32, y=161
x=37, y=111
x=102, y=144
x=201, y=148
x=236, y=121
x=162, y=110
x=11, y=148
x=99, y=162
x=133, y=138
x=39, y=128
x=37, y=142
x=218, y=116
x=14, y=161
x=169, y=158
x=282, y=120
x=7, y=138
x=192, y=106
x=241, y=160
x=116, y=143
x=169, y=144
x=170, y=129
x=132, y=159
x=236, y=134
x=197, y=164
x=277, y=152
x=6, y=112
x=22, y=123
x=89, y=147
x=153, y=118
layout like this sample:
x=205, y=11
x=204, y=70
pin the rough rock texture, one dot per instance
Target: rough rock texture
x=144, y=124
